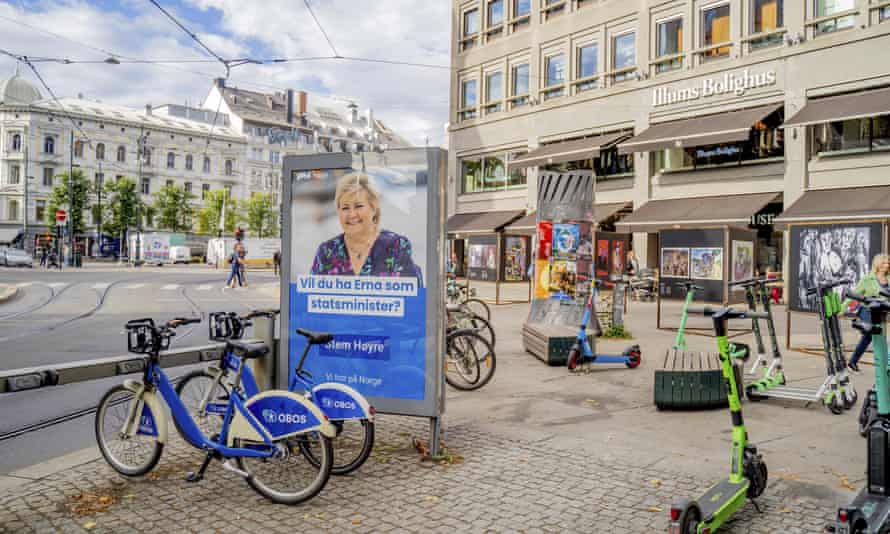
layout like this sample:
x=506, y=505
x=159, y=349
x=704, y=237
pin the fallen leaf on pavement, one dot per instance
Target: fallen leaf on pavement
x=356, y=521
x=786, y=510
x=431, y=498
x=655, y=482
x=592, y=402
x=654, y=509
x=89, y=525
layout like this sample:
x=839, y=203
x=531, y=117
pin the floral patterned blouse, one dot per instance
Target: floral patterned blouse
x=390, y=256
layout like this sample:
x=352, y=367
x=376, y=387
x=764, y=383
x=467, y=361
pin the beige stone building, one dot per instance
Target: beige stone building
x=677, y=105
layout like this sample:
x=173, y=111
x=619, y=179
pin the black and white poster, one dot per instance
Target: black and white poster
x=826, y=253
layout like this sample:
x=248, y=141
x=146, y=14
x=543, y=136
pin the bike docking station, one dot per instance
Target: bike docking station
x=362, y=243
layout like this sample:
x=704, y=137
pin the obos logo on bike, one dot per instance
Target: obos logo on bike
x=282, y=415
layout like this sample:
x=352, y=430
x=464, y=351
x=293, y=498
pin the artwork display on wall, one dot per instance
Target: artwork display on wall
x=707, y=263
x=675, y=262
x=515, y=258
x=825, y=253
x=482, y=263
x=618, y=255
x=562, y=277
x=602, y=257
x=566, y=239
x=742, y=260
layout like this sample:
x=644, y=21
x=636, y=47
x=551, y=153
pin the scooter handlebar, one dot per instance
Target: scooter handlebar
x=729, y=313
x=829, y=285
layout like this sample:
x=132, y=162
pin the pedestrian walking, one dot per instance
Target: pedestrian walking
x=44, y=255
x=235, y=268
x=276, y=261
x=242, y=265
x=870, y=286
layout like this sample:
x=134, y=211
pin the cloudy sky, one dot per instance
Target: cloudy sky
x=412, y=100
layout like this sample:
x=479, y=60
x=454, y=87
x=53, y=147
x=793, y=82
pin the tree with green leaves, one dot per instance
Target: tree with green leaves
x=60, y=199
x=209, y=215
x=173, y=207
x=260, y=215
x=123, y=206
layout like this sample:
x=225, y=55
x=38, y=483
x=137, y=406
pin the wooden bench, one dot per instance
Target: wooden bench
x=550, y=343
x=692, y=381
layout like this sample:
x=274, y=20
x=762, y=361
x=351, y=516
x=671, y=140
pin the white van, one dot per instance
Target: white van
x=180, y=254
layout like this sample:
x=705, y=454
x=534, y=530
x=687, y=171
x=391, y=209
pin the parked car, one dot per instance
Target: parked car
x=179, y=254
x=13, y=257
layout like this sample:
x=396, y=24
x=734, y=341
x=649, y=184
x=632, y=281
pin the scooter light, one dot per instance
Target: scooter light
x=675, y=514
x=842, y=516
x=706, y=530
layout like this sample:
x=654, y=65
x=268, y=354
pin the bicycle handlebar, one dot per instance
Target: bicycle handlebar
x=180, y=321
x=261, y=313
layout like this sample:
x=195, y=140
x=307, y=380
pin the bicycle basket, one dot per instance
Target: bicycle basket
x=236, y=327
x=220, y=326
x=141, y=339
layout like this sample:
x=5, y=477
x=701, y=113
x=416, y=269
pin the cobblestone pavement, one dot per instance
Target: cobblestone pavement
x=501, y=485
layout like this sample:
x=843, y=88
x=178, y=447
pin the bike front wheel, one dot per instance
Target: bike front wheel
x=196, y=389
x=464, y=347
x=461, y=365
x=478, y=307
x=352, y=446
x=286, y=477
x=130, y=456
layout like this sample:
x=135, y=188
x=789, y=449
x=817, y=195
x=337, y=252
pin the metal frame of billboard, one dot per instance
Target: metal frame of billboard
x=433, y=404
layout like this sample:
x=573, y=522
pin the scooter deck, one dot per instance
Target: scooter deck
x=722, y=500
x=875, y=509
x=785, y=392
x=604, y=358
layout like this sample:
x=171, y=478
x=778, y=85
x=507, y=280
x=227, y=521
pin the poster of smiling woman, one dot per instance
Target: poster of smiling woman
x=360, y=267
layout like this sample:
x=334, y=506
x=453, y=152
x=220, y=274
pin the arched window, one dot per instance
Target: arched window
x=188, y=162
x=171, y=160
x=78, y=149
x=49, y=145
x=100, y=151
x=121, y=154
x=16, y=142
x=147, y=154
x=228, y=167
x=206, y=164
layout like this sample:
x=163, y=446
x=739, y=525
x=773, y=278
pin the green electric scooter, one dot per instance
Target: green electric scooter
x=680, y=341
x=748, y=472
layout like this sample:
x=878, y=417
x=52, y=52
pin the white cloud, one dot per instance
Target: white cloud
x=411, y=100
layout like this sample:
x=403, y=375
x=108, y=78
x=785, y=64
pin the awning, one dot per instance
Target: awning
x=698, y=212
x=8, y=235
x=573, y=150
x=523, y=226
x=843, y=107
x=606, y=211
x=487, y=222
x=847, y=204
x=729, y=127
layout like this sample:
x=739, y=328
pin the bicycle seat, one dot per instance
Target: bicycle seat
x=453, y=307
x=248, y=349
x=315, y=338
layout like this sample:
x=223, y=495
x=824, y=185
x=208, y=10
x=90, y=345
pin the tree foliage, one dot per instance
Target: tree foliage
x=260, y=215
x=173, y=208
x=208, y=218
x=59, y=198
x=122, y=205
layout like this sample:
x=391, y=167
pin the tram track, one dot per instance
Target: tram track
x=52, y=296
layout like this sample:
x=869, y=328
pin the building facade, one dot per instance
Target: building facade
x=668, y=101
x=39, y=141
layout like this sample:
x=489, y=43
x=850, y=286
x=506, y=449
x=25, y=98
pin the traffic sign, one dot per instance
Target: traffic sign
x=61, y=215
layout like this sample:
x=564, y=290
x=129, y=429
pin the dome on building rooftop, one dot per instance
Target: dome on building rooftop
x=17, y=90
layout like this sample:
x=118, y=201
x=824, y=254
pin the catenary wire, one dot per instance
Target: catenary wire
x=321, y=28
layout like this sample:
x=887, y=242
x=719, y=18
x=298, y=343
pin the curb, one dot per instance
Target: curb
x=7, y=292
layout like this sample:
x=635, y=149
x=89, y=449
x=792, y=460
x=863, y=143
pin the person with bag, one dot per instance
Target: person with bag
x=870, y=286
x=235, y=262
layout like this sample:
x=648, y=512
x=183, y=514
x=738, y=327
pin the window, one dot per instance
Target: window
x=624, y=56
x=78, y=149
x=715, y=31
x=121, y=154
x=205, y=188
x=856, y=135
x=229, y=170
x=206, y=164
x=767, y=17
x=16, y=142
x=611, y=164
x=488, y=173
x=588, y=59
x=555, y=76
x=189, y=162
x=274, y=156
x=470, y=32
x=49, y=145
x=669, y=43
x=48, y=173
x=467, y=100
x=146, y=186
x=553, y=8
x=884, y=14
x=171, y=160
x=494, y=91
x=188, y=187
x=765, y=143
x=14, y=174
x=827, y=8
x=169, y=183
x=495, y=19
x=100, y=151
x=146, y=155
x=39, y=209
x=521, y=14
x=13, y=214
x=519, y=76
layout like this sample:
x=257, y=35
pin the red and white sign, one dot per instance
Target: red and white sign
x=61, y=215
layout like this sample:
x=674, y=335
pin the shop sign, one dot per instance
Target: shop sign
x=731, y=83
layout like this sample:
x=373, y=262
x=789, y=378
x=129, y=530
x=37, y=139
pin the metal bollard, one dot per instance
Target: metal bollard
x=264, y=368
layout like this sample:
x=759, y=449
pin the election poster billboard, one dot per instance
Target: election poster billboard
x=359, y=256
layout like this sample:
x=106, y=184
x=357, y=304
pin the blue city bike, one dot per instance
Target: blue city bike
x=263, y=434
x=205, y=393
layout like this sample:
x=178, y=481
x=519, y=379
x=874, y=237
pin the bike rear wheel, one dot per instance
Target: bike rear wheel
x=467, y=345
x=461, y=365
x=478, y=307
x=352, y=446
x=287, y=478
x=130, y=456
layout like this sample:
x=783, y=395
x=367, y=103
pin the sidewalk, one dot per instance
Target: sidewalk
x=538, y=450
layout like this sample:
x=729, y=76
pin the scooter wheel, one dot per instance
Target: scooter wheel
x=574, y=359
x=836, y=405
x=751, y=391
x=850, y=398
x=633, y=361
x=689, y=519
